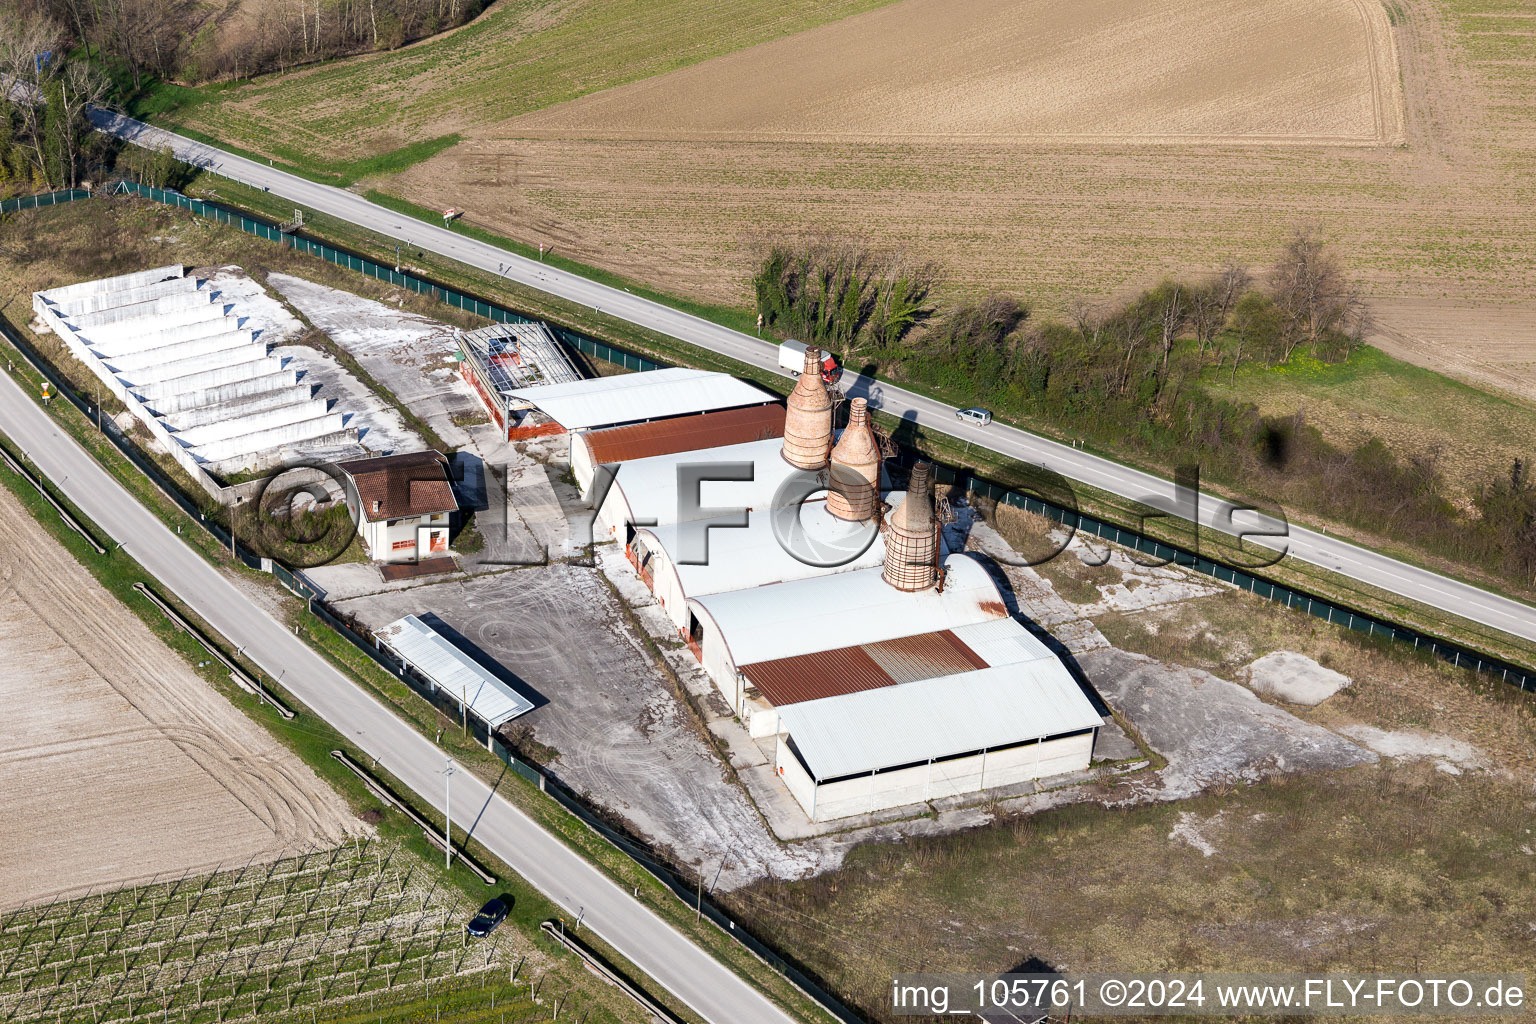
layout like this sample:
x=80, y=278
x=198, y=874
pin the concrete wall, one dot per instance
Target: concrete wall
x=210, y=379
x=865, y=794
x=130, y=337
x=243, y=405
x=177, y=350
x=75, y=306
x=137, y=279
x=192, y=366
x=162, y=322
x=170, y=404
x=192, y=302
x=327, y=424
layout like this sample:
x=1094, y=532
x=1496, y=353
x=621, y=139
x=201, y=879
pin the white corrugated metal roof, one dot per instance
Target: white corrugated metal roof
x=762, y=553
x=453, y=671
x=934, y=718
x=650, y=486
x=825, y=612
x=1003, y=642
x=632, y=397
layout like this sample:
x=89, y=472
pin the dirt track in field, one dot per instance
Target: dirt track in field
x=117, y=762
x=1440, y=228
x=1096, y=70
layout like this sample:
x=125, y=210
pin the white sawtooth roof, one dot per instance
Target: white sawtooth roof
x=649, y=487
x=634, y=397
x=757, y=556
x=453, y=671
x=849, y=608
x=860, y=732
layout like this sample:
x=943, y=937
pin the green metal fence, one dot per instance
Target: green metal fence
x=67, y=195
x=422, y=286
x=1330, y=611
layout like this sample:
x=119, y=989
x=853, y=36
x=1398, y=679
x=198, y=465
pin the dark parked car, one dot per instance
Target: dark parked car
x=491, y=915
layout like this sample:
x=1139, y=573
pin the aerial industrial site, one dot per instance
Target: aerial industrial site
x=614, y=513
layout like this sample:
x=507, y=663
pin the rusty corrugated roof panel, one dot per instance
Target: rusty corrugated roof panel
x=810, y=676
x=685, y=433
x=910, y=658
x=861, y=667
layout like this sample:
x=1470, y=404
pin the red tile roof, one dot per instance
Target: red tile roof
x=685, y=433
x=412, y=484
x=862, y=667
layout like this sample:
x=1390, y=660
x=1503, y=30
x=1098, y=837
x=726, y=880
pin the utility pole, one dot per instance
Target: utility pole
x=448, y=815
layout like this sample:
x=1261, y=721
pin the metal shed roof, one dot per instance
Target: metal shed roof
x=690, y=433
x=649, y=487
x=453, y=671
x=632, y=397
x=849, y=608
x=936, y=718
x=755, y=556
x=907, y=659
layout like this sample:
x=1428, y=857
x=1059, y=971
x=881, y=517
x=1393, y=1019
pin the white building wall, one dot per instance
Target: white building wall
x=868, y=793
x=381, y=537
x=582, y=467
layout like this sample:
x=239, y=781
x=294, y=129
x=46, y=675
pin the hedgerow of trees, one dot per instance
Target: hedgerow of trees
x=192, y=41
x=1137, y=374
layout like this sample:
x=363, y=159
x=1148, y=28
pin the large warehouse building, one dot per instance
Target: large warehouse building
x=881, y=670
x=693, y=432
x=542, y=407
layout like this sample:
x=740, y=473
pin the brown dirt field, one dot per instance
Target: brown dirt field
x=118, y=763
x=1098, y=70
x=1444, y=220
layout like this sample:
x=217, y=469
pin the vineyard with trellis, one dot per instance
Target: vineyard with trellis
x=357, y=932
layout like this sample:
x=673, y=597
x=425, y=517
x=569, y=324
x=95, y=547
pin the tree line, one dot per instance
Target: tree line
x=46, y=140
x=1138, y=374
x=189, y=41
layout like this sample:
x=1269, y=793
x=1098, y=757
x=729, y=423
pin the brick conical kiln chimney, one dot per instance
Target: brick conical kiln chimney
x=855, y=484
x=808, y=417
x=912, y=536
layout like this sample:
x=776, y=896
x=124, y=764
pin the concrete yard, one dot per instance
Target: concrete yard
x=118, y=763
x=625, y=740
x=408, y=354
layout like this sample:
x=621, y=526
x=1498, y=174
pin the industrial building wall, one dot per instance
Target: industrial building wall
x=716, y=659
x=867, y=793
x=582, y=467
x=612, y=516
x=492, y=407
x=668, y=588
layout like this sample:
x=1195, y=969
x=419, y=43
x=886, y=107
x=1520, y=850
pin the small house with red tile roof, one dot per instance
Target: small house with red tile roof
x=404, y=504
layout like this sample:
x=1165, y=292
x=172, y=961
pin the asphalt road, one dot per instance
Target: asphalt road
x=712, y=990
x=1350, y=560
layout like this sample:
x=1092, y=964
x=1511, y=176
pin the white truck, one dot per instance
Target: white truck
x=792, y=358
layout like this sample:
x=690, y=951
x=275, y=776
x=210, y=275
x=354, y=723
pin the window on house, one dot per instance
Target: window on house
x=401, y=545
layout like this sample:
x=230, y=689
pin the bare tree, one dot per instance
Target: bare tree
x=80, y=86
x=1309, y=289
x=1206, y=315
x=1088, y=317
x=1172, y=315
x=1232, y=280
